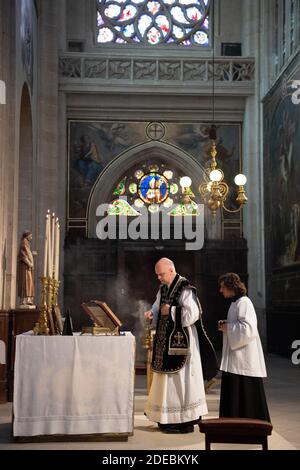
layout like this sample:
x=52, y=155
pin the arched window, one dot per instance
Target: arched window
x=155, y=188
x=285, y=23
x=184, y=22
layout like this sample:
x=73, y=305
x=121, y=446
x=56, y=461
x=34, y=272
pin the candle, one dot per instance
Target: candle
x=57, y=251
x=46, y=245
x=49, y=249
x=54, y=251
x=52, y=245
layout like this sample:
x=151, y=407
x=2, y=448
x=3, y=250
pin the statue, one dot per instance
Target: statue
x=25, y=272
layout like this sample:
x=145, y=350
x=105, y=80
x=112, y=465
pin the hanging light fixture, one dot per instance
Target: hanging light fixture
x=185, y=183
x=215, y=190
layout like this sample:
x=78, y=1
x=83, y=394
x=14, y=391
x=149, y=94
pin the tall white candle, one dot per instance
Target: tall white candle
x=54, y=252
x=49, y=269
x=52, y=244
x=58, y=259
x=46, y=246
x=57, y=251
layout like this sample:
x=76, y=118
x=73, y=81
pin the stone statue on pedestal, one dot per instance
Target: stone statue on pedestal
x=25, y=272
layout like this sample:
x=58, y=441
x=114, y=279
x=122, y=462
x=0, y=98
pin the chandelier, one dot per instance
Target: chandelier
x=215, y=190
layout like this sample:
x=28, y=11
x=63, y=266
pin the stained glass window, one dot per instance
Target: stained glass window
x=292, y=25
x=120, y=189
x=121, y=207
x=184, y=22
x=155, y=188
x=285, y=24
x=184, y=208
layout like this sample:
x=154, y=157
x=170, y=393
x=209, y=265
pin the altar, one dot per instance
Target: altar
x=77, y=385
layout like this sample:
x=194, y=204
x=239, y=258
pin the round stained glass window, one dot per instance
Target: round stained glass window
x=174, y=188
x=153, y=188
x=139, y=203
x=138, y=174
x=133, y=188
x=168, y=174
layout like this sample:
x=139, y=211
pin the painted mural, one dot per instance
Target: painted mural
x=94, y=144
x=282, y=143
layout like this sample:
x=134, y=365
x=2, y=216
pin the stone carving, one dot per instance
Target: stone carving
x=95, y=68
x=242, y=71
x=169, y=70
x=194, y=71
x=225, y=70
x=119, y=69
x=221, y=71
x=70, y=68
x=144, y=69
x=155, y=131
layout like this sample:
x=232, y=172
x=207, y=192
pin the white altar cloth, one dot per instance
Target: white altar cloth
x=73, y=385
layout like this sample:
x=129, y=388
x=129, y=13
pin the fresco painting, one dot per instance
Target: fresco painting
x=282, y=135
x=94, y=144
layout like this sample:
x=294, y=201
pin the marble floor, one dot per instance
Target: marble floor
x=282, y=388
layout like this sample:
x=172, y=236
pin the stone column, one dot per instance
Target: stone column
x=62, y=149
x=253, y=166
x=50, y=157
x=8, y=157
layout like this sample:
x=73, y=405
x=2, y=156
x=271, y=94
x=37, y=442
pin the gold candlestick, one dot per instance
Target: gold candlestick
x=41, y=327
x=56, y=310
x=50, y=306
x=148, y=344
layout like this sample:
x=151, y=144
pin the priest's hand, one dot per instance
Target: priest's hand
x=222, y=326
x=165, y=309
x=148, y=314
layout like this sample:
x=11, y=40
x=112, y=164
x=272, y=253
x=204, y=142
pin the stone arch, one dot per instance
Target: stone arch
x=154, y=151
x=26, y=203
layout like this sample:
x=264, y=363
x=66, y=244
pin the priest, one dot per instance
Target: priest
x=183, y=356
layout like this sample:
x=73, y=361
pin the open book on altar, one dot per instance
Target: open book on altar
x=104, y=319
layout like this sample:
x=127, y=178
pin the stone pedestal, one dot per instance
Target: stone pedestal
x=21, y=320
x=4, y=340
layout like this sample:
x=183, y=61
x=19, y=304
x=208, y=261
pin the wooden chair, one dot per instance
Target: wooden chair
x=236, y=430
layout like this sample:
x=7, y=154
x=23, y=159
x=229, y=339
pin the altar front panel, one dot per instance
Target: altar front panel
x=73, y=385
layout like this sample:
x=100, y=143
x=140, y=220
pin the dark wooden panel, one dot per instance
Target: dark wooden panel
x=21, y=320
x=282, y=329
x=122, y=274
x=90, y=267
x=216, y=258
x=24, y=320
x=4, y=336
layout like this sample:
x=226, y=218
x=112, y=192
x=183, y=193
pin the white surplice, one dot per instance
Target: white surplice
x=242, y=350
